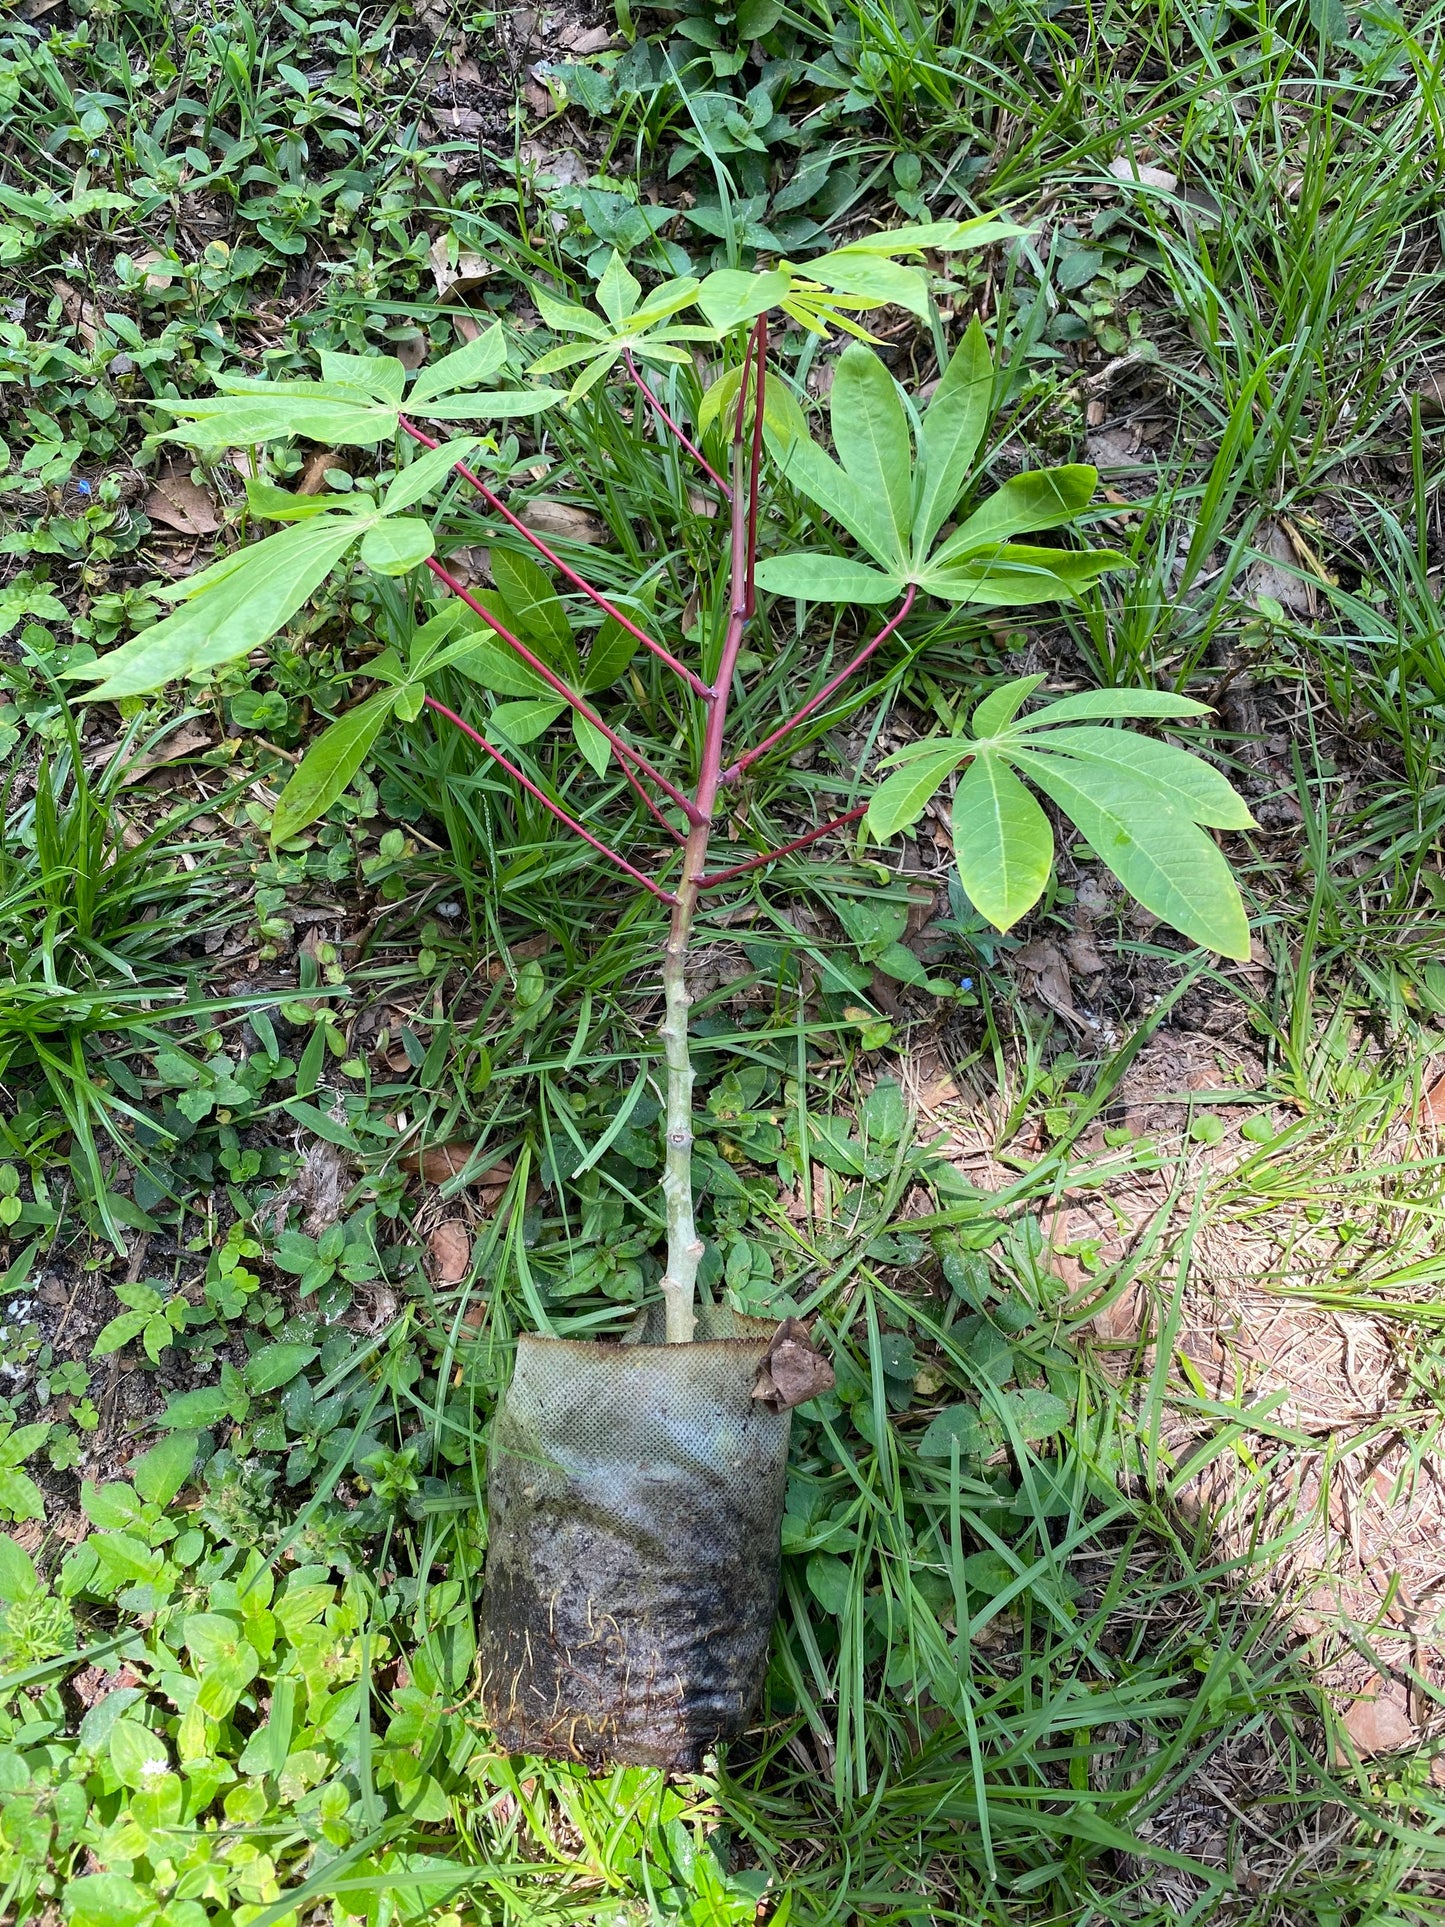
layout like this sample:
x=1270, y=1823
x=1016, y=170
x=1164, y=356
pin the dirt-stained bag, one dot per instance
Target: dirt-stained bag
x=635, y=1496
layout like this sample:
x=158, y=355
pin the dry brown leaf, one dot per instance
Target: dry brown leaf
x=1083, y=953
x=411, y=349
x=455, y=280
x=451, y=1252
x=1124, y=168
x=313, y=471
x=184, y=739
x=82, y=315
x=1429, y=391
x=1432, y=1105
x=179, y=503
x=1050, y=974
x=584, y=40
x=155, y=270
x=1279, y=576
x=1381, y=1723
x=458, y=120
x=439, y=1163
x=546, y=517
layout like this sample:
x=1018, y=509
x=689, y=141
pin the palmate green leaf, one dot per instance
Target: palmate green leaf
x=1042, y=498
x=618, y=291
x=1108, y=704
x=398, y=545
x=262, y=411
x=329, y=765
x=539, y=617
x=488, y=405
x=953, y=426
x=829, y=488
x=271, y=504
x=429, y=471
x=870, y=433
x=814, y=577
x=482, y=658
x=902, y=797
x=1157, y=853
x=382, y=377
x=612, y=650
x=524, y=722
x=592, y=743
x=234, y=607
x=1013, y=575
x=871, y=277
x=728, y=297
x=1191, y=785
x=1001, y=705
x=1002, y=842
x=478, y=361
x=938, y=237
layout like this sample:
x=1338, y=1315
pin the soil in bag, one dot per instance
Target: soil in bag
x=635, y=1496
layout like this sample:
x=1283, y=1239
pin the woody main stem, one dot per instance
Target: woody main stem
x=684, y=1246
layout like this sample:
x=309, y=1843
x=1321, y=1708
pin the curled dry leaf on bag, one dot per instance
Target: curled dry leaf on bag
x=792, y=1370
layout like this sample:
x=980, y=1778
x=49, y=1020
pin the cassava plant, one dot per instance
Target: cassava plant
x=902, y=487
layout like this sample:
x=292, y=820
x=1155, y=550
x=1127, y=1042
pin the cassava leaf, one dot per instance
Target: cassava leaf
x=483, y=659
x=902, y=797
x=488, y=405
x=329, y=765
x=729, y=297
x=1158, y=854
x=247, y=410
x=612, y=650
x=618, y=291
x=429, y=471
x=397, y=545
x=272, y=504
x=1013, y=575
x=818, y=477
x=814, y=577
x=592, y=743
x=1000, y=706
x=541, y=620
x=465, y=368
x=872, y=277
x=953, y=427
x=1001, y=841
x=1189, y=783
x=382, y=377
x=524, y=722
x=231, y=612
x=870, y=433
x=1041, y=498
x=938, y=237
x=1092, y=705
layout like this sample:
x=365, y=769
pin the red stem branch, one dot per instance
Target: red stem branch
x=554, y=682
x=494, y=501
x=533, y=789
x=731, y=775
x=787, y=849
x=662, y=414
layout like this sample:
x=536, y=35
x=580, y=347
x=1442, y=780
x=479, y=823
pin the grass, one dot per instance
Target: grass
x=1076, y=1609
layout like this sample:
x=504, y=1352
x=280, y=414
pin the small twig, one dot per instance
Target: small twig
x=658, y=409
x=493, y=500
x=731, y=775
x=787, y=849
x=561, y=815
x=555, y=683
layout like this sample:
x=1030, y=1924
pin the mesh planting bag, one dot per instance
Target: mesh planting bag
x=635, y=1496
